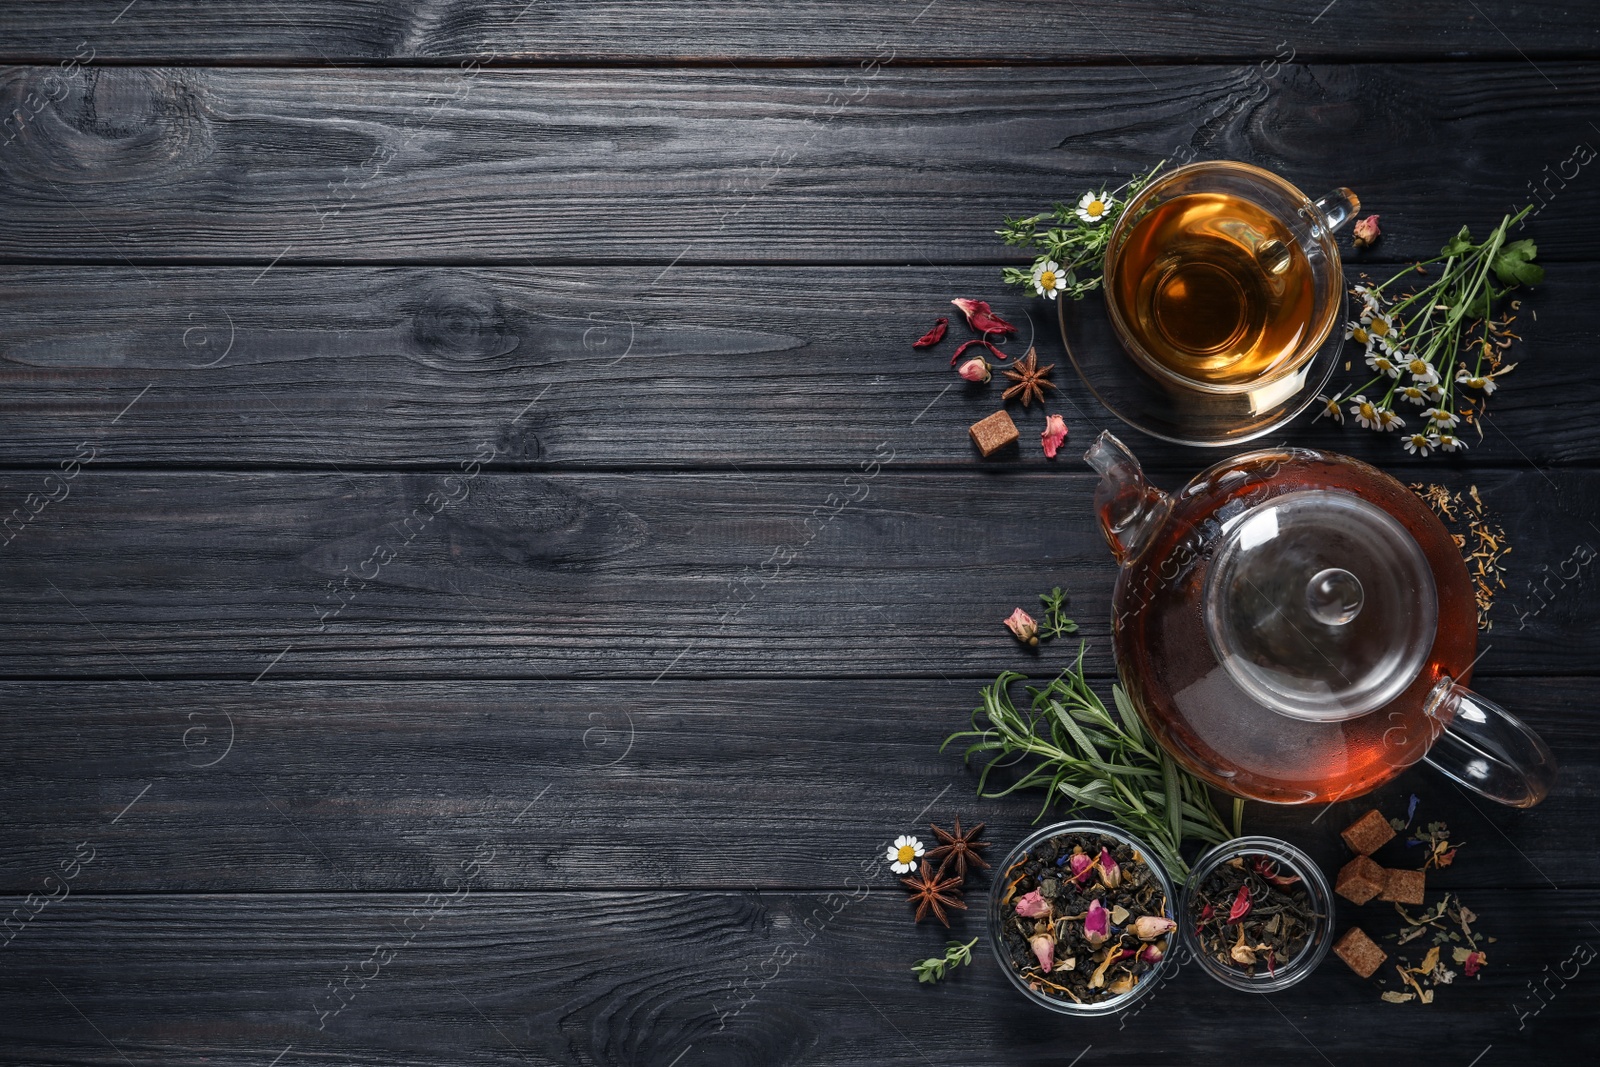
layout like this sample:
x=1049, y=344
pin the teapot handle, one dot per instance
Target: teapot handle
x=1487, y=749
x=1338, y=208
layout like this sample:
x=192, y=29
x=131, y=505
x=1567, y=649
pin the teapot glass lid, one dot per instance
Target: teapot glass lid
x=1320, y=605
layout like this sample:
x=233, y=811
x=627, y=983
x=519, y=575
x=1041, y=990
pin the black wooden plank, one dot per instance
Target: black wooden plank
x=707, y=367
x=523, y=575
x=623, y=166
x=295, y=787
x=704, y=978
x=323, y=31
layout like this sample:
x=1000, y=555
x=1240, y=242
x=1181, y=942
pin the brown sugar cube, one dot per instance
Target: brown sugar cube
x=1360, y=880
x=993, y=433
x=1360, y=952
x=1368, y=834
x=1403, y=887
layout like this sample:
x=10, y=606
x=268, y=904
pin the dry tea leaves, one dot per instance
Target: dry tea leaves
x=1252, y=917
x=1060, y=930
x=1466, y=517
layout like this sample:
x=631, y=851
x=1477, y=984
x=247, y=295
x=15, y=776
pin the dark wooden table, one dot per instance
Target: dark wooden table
x=452, y=624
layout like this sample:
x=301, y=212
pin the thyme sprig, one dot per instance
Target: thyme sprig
x=955, y=955
x=1087, y=758
x=1063, y=237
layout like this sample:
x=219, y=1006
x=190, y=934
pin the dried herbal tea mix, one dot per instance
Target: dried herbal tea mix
x=1084, y=918
x=1251, y=917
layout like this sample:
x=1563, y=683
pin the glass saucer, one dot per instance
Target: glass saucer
x=1171, y=412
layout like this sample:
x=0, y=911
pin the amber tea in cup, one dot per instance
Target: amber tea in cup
x=1222, y=277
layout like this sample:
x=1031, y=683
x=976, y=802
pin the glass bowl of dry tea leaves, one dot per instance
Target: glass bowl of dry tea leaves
x=1081, y=918
x=1257, y=914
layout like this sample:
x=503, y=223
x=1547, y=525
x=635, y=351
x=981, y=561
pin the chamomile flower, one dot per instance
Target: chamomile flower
x=1420, y=444
x=1451, y=443
x=1442, y=418
x=1368, y=298
x=1420, y=369
x=1049, y=279
x=1365, y=411
x=903, y=854
x=1435, y=390
x=1357, y=332
x=1093, y=207
x=1476, y=381
x=1414, y=393
x=1382, y=363
x=1381, y=327
x=1331, y=408
x=1388, y=420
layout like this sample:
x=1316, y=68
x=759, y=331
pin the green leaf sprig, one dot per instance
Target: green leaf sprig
x=1056, y=623
x=1087, y=758
x=955, y=955
x=1075, y=244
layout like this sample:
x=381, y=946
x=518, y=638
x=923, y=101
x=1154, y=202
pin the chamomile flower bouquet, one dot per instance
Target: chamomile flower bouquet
x=1440, y=347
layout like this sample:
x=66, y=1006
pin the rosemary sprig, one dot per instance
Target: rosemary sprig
x=1087, y=758
x=955, y=955
x=1060, y=236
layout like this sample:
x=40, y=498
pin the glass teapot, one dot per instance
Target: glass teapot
x=1296, y=626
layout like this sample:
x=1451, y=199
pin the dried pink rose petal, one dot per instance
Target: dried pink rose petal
x=1044, y=948
x=1032, y=906
x=1082, y=867
x=1150, y=927
x=969, y=344
x=981, y=318
x=933, y=336
x=1023, y=627
x=1367, y=232
x=1150, y=954
x=1097, y=923
x=1054, y=433
x=1268, y=870
x=975, y=370
x=1474, y=964
x=1241, y=905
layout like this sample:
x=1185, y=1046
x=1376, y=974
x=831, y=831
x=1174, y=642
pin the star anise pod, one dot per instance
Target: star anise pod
x=933, y=892
x=1032, y=380
x=957, y=849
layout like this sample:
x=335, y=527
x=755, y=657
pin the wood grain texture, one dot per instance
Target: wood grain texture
x=639, y=978
x=215, y=574
x=514, y=167
x=706, y=367
x=782, y=784
x=323, y=31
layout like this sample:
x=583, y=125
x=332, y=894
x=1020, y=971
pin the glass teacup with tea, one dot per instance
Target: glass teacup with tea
x=1222, y=290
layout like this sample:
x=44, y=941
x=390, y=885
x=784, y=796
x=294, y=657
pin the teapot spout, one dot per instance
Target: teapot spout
x=1130, y=508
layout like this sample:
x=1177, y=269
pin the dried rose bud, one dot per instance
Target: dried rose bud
x=1054, y=433
x=1150, y=927
x=1241, y=905
x=975, y=370
x=1033, y=906
x=1097, y=923
x=1023, y=627
x=1150, y=954
x=1044, y=948
x=1082, y=866
x=1367, y=232
x=1110, y=873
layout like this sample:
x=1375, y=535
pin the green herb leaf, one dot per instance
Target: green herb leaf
x=1085, y=756
x=1458, y=244
x=955, y=955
